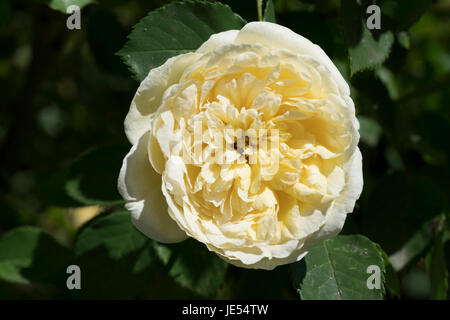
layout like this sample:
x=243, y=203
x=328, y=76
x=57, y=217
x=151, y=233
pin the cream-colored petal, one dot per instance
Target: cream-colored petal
x=155, y=153
x=150, y=92
x=276, y=36
x=266, y=263
x=218, y=39
x=346, y=201
x=139, y=184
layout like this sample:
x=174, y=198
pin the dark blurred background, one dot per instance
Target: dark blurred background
x=64, y=92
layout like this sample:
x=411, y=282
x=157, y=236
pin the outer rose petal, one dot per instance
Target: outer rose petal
x=218, y=39
x=268, y=264
x=276, y=36
x=347, y=199
x=148, y=207
x=345, y=203
x=150, y=92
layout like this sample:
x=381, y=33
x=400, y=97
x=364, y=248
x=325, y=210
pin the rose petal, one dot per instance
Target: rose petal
x=139, y=185
x=276, y=36
x=150, y=92
x=346, y=201
x=218, y=39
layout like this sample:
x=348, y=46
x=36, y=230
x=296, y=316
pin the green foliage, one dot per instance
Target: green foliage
x=437, y=268
x=93, y=177
x=269, y=12
x=392, y=283
x=174, y=29
x=62, y=5
x=51, y=187
x=194, y=267
x=335, y=269
x=115, y=259
x=370, y=53
x=28, y=254
x=365, y=51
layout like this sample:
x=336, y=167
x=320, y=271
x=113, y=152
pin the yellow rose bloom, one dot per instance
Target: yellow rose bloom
x=248, y=145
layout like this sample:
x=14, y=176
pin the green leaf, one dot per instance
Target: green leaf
x=370, y=53
x=62, y=5
x=392, y=282
x=176, y=28
x=437, y=269
x=50, y=187
x=365, y=51
x=336, y=269
x=194, y=267
x=116, y=260
x=269, y=12
x=93, y=176
x=28, y=254
x=10, y=272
